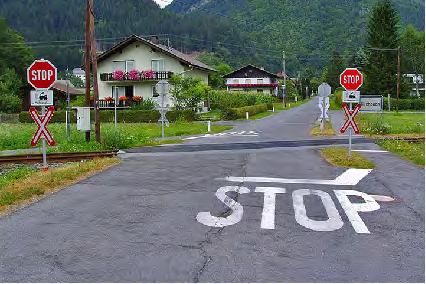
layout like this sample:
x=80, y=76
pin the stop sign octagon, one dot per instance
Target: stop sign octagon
x=41, y=74
x=351, y=79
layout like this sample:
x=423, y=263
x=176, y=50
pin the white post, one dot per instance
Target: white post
x=322, y=113
x=209, y=126
x=45, y=166
x=273, y=108
x=389, y=104
x=247, y=115
x=295, y=98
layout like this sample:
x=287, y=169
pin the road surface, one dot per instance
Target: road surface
x=157, y=217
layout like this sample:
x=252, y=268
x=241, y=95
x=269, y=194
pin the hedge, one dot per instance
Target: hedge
x=405, y=104
x=236, y=113
x=129, y=116
x=224, y=100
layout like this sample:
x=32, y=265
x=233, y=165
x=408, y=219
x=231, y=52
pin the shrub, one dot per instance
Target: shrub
x=129, y=116
x=235, y=113
x=224, y=100
x=10, y=103
x=146, y=104
x=405, y=104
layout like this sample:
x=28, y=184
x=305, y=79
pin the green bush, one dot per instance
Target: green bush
x=236, y=113
x=405, y=104
x=10, y=103
x=224, y=100
x=146, y=104
x=129, y=116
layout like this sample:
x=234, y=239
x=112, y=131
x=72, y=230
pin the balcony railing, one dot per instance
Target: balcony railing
x=142, y=76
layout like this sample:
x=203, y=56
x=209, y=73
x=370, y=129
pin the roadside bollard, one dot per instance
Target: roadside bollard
x=273, y=108
x=295, y=98
x=247, y=115
x=209, y=126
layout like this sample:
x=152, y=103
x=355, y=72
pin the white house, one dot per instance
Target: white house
x=133, y=67
x=79, y=73
x=252, y=79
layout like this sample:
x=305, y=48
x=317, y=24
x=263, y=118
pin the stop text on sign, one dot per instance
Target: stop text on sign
x=41, y=75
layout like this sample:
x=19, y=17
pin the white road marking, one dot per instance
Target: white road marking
x=383, y=198
x=243, y=133
x=334, y=221
x=352, y=209
x=268, y=213
x=349, y=177
x=371, y=151
x=207, y=219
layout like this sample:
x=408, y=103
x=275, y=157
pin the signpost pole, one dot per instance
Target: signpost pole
x=350, y=134
x=162, y=116
x=43, y=141
x=115, y=105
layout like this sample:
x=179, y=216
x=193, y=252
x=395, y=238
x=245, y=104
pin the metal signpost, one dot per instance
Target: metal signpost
x=41, y=75
x=351, y=79
x=163, y=89
x=324, y=91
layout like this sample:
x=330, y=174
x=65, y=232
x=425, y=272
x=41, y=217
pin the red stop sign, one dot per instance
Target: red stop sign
x=41, y=74
x=351, y=79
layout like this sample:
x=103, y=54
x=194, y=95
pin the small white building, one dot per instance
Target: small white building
x=79, y=73
x=133, y=67
x=252, y=79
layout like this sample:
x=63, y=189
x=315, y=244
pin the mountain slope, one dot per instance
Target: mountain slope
x=308, y=31
x=63, y=20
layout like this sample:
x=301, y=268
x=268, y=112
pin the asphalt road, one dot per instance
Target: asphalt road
x=137, y=222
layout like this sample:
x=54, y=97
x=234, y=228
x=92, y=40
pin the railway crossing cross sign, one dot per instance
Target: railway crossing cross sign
x=350, y=118
x=42, y=121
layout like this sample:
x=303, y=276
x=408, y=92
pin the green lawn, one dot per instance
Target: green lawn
x=127, y=135
x=414, y=152
x=392, y=123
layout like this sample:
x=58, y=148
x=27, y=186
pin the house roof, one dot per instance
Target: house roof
x=182, y=57
x=61, y=85
x=272, y=75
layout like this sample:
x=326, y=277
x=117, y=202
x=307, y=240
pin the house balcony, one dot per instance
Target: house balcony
x=272, y=85
x=135, y=76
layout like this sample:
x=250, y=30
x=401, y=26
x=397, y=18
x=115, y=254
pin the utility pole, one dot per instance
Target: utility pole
x=285, y=80
x=95, y=73
x=87, y=60
x=91, y=64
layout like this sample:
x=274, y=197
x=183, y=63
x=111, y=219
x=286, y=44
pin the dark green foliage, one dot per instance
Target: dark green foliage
x=405, y=104
x=145, y=104
x=123, y=116
x=381, y=68
x=10, y=83
x=223, y=100
x=309, y=31
x=334, y=69
x=236, y=113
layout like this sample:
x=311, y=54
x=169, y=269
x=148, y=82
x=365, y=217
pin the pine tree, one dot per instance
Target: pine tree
x=381, y=67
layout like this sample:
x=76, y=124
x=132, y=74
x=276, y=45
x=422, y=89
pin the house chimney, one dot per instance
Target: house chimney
x=154, y=39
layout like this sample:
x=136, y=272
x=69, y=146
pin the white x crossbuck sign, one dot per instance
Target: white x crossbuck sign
x=42, y=122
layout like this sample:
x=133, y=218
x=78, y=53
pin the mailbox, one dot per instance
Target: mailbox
x=83, y=118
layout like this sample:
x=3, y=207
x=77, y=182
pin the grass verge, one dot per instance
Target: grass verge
x=414, y=152
x=25, y=185
x=327, y=131
x=126, y=135
x=339, y=157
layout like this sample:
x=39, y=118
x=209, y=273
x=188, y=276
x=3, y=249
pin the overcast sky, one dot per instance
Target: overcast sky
x=163, y=3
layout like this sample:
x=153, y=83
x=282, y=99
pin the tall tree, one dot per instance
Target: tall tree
x=381, y=68
x=334, y=68
x=14, y=53
x=413, y=53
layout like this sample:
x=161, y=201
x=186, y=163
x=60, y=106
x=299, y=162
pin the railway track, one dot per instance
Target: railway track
x=56, y=157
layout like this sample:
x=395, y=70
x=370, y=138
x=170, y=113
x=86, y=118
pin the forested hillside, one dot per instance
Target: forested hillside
x=237, y=31
x=309, y=31
x=57, y=26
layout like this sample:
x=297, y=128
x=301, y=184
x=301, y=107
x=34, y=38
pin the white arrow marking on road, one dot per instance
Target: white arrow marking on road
x=349, y=177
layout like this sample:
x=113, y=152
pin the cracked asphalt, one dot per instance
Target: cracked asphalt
x=136, y=222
